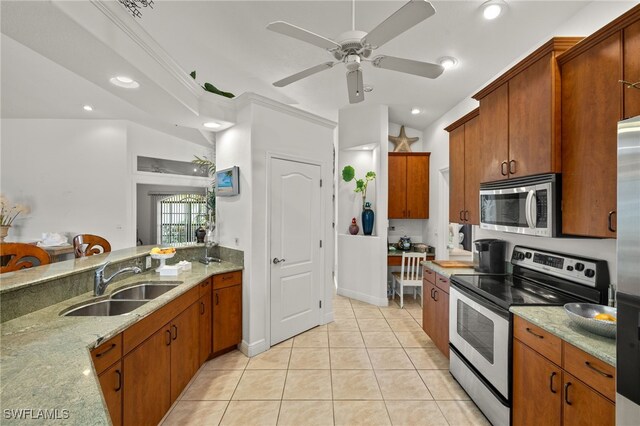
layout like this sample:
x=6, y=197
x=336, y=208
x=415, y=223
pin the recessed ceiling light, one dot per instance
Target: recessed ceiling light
x=492, y=9
x=87, y=108
x=448, y=62
x=124, y=81
x=415, y=111
x=212, y=125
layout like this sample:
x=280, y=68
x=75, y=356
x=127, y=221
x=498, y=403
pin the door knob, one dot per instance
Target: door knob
x=276, y=260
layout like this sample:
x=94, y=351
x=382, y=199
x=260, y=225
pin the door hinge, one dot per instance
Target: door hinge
x=333, y=225
x=320, y=304
x=320, y=183
x=320, y=243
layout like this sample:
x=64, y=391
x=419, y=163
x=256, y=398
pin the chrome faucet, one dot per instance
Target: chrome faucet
x=100, y=283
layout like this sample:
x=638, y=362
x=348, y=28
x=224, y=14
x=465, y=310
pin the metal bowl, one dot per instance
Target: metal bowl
x=582, y=314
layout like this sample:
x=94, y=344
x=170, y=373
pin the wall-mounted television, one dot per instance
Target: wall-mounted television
x=228, y=182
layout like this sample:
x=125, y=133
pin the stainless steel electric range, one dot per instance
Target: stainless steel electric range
x=481, y=326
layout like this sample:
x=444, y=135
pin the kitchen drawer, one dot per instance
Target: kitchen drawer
x=596, y=373
x=429, y=275
x=205, y=287
x=539, y=340
x=227, y=280
x=107, y=353
x=442, y=283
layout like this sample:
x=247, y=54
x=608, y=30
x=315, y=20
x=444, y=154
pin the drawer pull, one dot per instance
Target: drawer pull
x=201, y=308
x=113, y=345
x=535, y=334
x=554, y=374
x=602, y=373
x=442, y=280
x=119, y=385
x=227, y=277
x=566, y=393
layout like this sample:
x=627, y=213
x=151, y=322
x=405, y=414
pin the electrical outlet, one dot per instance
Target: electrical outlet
x=147, y=262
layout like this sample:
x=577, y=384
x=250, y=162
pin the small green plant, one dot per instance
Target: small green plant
x=213, y=89
x=349, y=174
x=210, y=166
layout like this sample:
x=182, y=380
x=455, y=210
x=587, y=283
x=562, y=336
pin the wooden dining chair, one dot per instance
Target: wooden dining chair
x=16, y=256
x=410, y=275
x=88, y=245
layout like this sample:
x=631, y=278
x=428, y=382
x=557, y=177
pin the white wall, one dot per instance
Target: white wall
x=586, y=21
x=265, y=128
x=78, y=176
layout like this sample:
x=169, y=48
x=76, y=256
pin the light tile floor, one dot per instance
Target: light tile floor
x=371, y=366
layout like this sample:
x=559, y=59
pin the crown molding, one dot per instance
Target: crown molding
x=459, y=122
x=248, y=98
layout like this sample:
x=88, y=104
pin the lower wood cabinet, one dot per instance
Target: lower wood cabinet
x=111, y=382
x=206, y=322
x=185, y=349
x=545, y=393
x=227, y=317
x=435, y=309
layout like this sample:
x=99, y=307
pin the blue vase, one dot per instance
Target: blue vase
x=367, y=219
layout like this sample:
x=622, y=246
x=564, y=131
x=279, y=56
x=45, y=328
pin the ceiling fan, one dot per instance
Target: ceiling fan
x=354, y=47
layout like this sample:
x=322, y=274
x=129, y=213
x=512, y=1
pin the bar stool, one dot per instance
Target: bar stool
x=88, y=245
x=16, y=256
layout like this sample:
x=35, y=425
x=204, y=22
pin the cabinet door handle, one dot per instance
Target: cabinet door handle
x=461, y=216
x=503, y=169
x=610, y=221
x=432, y=290
x=175, y=329
x=512, y=167
x=217, y=299
x=466, y=215
x=168, y=334
x=602, y=373
x=119, y=385
x=435, y=293
x=554, y=374
x=535, y=334
x=113, y=345
x=201, y=308
x=566, y=393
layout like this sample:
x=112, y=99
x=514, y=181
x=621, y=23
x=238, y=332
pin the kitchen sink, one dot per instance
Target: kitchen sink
x=103, y=308
x=145, y=291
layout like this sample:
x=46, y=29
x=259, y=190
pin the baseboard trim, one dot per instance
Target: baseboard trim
x=327, y=318
x=378, y=301
x=253, y=349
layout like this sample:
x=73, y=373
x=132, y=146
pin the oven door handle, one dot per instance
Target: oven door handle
x=530, y=205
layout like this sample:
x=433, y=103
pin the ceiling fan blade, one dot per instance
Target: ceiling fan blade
x=355, y=86
x=404, y=18
x=301, y=34
x=302, y=74
x=409, y=66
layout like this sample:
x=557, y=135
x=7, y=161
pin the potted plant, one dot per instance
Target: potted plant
x=349, y=174
x=210, y=166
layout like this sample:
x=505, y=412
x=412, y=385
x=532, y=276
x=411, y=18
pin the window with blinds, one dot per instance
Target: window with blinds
x=179, y=217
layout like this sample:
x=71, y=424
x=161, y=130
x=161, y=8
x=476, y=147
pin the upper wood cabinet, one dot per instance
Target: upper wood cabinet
x=464, y=169
x=408, y=185
x=520, y=116
x=593, y=101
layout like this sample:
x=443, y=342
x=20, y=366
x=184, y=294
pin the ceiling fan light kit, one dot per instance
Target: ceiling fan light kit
x=354, y=47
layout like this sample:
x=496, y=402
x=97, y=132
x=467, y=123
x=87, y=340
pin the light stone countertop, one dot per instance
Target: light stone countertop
x=45, y=360
x=554, y=320
x=447, y=272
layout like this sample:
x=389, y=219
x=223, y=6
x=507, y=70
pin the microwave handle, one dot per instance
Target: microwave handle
x=530, y=205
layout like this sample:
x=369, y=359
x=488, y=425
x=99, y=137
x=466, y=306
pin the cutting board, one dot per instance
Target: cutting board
x=453, y=263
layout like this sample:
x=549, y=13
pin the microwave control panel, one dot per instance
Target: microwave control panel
x=561, y=265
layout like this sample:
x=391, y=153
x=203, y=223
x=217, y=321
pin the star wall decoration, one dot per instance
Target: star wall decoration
x=401, y=142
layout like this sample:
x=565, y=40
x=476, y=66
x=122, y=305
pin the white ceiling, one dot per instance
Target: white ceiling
x=227, y=43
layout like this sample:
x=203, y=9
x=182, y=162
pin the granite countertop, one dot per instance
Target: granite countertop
x=554, y=320
x=399, y=252
x=45, y=358
x=447, y=272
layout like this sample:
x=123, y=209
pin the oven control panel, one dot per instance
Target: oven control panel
x=564, y=266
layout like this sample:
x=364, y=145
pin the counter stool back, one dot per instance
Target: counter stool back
x=88, y=245
x=16, y=256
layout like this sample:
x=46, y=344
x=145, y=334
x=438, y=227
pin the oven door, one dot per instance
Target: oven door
x=520, y=209
x=479, y=330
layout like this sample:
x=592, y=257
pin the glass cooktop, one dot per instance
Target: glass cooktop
x=509, y=290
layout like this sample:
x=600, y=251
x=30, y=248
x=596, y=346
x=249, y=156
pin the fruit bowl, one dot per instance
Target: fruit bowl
x=162, y=257
x=582, y=314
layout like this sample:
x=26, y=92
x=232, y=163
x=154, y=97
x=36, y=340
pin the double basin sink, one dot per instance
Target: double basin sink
x=123, y=300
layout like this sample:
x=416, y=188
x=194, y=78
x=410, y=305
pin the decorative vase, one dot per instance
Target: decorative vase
x=200, y=234
x=4, y=231
x=354, y=228
x=367, y=219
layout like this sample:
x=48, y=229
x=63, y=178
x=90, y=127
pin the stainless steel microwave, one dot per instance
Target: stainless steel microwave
x=528, y=205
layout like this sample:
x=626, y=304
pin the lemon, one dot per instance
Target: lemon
x=155, y=250
x=605, y=317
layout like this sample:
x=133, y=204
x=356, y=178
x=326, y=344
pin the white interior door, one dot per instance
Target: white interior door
x=296, y=286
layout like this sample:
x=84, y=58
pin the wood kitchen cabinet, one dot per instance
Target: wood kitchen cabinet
x=520, y=117
x=573, y=389
x=593, y=101
x=435, y=309
x=408, y=185
x=205, y=321
x=464, y=169
x=185, y=349
x=227, y=317
x=111, y=383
